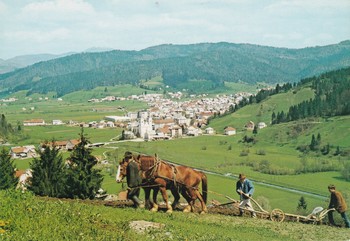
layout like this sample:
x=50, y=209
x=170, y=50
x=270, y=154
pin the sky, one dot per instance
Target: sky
x=61, y=26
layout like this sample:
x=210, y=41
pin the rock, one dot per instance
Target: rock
x=142, y=225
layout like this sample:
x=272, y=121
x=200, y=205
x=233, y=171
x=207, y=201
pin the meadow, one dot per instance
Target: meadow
x=276, y=145
x=26, y=217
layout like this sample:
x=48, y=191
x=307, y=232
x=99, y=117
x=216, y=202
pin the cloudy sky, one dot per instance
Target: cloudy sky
x=60, y=26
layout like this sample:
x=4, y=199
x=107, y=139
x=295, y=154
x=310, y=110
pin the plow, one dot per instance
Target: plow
x=231, y=207
x=276, y=215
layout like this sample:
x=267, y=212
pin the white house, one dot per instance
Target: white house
x=230, y=131
x=57, y=122
x=192, y=131
x=23, y=151
x=209, y=131
x=34, y=122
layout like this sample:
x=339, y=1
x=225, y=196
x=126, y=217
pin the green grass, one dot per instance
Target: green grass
x=38, y=134
x=74, y=106
x=261, y=112
x=25, y=217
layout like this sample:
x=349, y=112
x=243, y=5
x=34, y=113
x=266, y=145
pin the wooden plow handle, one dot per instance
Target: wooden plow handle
x=256, y=203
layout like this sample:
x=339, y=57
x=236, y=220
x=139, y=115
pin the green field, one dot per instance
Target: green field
x=25, y=217
x=276, y=145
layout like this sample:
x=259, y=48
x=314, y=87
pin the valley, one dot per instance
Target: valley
x=291, y=140
x=218, y=153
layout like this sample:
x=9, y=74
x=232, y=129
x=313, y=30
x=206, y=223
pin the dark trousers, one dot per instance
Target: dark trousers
x=133, y=194
x=343, y=215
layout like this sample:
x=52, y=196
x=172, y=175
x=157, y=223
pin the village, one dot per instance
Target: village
x=165, y=118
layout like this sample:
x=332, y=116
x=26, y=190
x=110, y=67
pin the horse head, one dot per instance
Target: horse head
x=121, y=171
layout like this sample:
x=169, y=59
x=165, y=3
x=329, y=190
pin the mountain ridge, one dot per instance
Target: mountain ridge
x=178, y=64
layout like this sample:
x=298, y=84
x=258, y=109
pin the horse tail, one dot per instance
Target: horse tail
x=204, y=187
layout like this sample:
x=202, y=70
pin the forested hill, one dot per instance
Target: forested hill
x=178, y=64
x=332, y=93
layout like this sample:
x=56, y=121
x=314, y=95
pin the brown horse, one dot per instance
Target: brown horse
x=184, y=178
x=155, y=183
x=157, y=173
x=190, y=179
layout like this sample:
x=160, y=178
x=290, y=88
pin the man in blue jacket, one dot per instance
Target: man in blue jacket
x=245, y=189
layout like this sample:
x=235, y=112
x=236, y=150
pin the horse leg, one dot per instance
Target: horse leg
x=204, y=207
x=165, y=198
x=185, y=194
x=176, y=195
x=148, y=203
x=193, y=196
x=155, y=204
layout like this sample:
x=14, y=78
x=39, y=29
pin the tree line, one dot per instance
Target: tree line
x=6, y=129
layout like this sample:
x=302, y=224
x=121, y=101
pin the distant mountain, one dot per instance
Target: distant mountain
x=97, y=49
x=179, y=66
x=26, y=60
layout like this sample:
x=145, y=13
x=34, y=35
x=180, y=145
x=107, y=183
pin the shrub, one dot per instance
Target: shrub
x=261, y=152
x=244, y=152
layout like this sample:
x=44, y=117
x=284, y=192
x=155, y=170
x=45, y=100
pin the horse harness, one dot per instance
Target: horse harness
x=151, y=171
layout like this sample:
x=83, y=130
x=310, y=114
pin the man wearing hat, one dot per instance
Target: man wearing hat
x=245, y=189
x=338, y=202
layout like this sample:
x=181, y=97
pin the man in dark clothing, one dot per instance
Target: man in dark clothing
x=338, y=202
x=133, y=180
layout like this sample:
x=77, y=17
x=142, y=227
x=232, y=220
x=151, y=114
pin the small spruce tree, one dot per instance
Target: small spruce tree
x=48, y=173
x=7, y=171
x=255, y=130
x=83, y=179
x=302, y=205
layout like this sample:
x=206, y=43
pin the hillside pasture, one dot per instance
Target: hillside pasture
x=261, y=112
x=73, y=107
x=25, y=217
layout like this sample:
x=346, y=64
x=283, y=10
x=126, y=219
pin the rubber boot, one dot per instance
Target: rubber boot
x=137, y=202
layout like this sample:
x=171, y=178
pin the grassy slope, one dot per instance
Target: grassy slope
x=261, y=112
x=222, y=153
x=30, y=218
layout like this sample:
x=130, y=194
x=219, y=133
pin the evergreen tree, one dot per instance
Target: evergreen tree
x=345, y=171
x=313, y=144
x=337, y=151
x=7, y=171
x=302, y=204
x=273, y=118
x=318, y=140
x=255, y=130
x=83, y=179
x=48, y=173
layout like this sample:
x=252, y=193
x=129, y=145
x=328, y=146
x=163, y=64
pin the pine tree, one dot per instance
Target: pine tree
x=83, y=179
x=255, y=130
x=48, y=173
x=313, y=144
x=273, y=118
x=7, y=171
x=318, y=140
x=302, y=204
